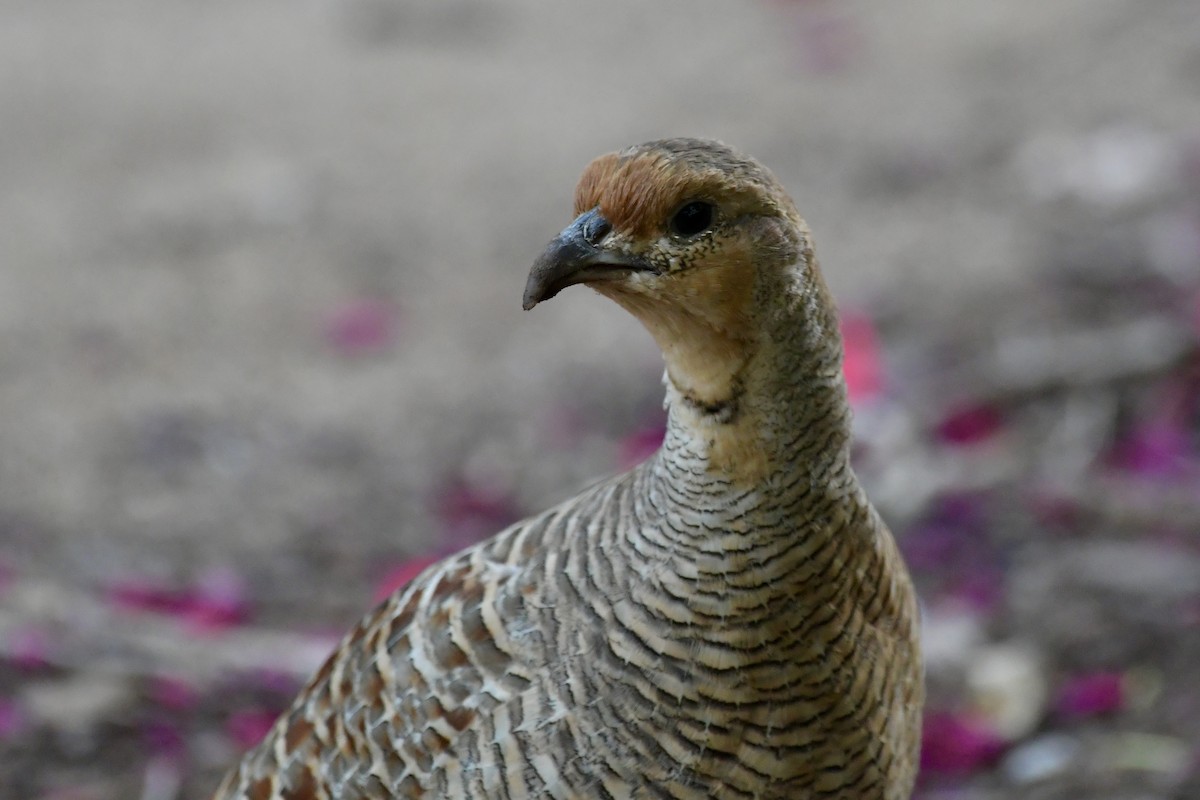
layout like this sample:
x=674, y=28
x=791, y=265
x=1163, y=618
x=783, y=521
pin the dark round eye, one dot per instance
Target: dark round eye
x=694, y=218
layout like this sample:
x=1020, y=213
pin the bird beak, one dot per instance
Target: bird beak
x=577, y=256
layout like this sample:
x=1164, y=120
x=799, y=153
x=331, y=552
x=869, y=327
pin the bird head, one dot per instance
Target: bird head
x=692, y=238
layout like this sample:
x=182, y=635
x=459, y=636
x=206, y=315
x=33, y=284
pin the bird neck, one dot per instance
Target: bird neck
x=759, y=407
x=758, y=493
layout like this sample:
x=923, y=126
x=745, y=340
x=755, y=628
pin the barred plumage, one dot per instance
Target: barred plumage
x=730, y=619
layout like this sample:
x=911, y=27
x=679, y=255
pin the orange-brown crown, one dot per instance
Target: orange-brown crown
x=638, y=188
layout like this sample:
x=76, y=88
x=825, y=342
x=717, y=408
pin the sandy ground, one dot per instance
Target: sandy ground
x=262, y=263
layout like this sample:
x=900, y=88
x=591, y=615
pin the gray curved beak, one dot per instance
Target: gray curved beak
x=577, y=256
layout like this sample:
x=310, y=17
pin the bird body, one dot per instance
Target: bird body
x=730, y=619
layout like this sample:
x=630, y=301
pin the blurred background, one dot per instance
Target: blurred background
x=262, y=354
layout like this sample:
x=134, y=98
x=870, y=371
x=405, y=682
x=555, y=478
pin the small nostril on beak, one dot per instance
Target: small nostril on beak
x=596, y=229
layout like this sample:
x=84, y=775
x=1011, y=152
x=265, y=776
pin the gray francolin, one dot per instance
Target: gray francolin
x=730, y=619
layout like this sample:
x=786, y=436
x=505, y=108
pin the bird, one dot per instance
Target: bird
x=729, y=619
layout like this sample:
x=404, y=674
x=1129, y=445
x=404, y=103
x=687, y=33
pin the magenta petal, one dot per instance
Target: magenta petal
x=278, y=682
x=953, y=744
x=136, y=594
x=970, y=424
x=1155, y=450
x=12, y=720
x=1091, y=695
x=931, y=547
x=979, y=586
x=361, y=327
x=173, y=694
x=863, y=364
x=163, y=737
x=247, y=728
x=262, y=683
x=471, y=511
x=217, y=601
x=953, y=535
x=29, y=649
x=399, y=576
x=640, y=445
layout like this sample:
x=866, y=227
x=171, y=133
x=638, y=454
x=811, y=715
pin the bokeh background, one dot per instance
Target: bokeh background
x=262, y=354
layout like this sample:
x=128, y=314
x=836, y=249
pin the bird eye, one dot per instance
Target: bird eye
x=694, y=218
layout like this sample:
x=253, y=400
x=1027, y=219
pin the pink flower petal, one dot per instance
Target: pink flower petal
x=247, y=728
x=953, y=744
x=1158, y=449
x=136, y=594
x=271, y=689
x=217, y=601
x=399, y=576
x=361, y=327
x=931, y=547
x=979, y=586
x=163, y=737
x=970, y=424
x=29, y=648
x=280, y=683
x=173, y=694
x=471, y=511
x=644, y=442
x=863, y=364
x=953, y=534
x=952, y=549
x=1091, y=695
x=13, y=721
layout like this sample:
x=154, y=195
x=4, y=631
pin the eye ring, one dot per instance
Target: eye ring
x=692, y=219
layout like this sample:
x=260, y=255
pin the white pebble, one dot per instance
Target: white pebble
x=1008, y=687
x=1041, y=758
